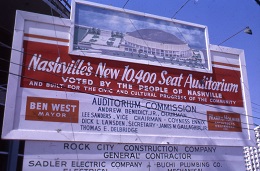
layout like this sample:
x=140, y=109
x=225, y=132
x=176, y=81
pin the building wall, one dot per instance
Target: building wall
x=7, y=20
x=252, y=154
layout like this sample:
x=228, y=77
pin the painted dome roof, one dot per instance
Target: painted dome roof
x=156, y=35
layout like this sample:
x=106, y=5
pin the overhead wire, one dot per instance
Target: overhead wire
x=141, y=36
x=59, y=54
x=125, y=3
x=255, y=103
x=173, y=17
x=239, y=78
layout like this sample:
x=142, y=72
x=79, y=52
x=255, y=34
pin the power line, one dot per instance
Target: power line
x=255, y=104
x=126, y=3
x=173, y=17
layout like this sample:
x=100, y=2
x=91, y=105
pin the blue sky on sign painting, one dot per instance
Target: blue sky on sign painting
x=223, y=19
x=125, y=22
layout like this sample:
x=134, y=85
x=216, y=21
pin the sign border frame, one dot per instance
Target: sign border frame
x=9, y=123
x=72, y=17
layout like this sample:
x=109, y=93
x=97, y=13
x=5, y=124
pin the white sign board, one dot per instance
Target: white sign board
x=53, y=95
x=71, y=156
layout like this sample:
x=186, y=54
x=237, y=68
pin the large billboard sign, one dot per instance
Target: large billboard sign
x=129, y=157
x=54, y=95
x=120, y=34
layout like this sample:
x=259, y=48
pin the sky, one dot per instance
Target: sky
x=223, y=19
